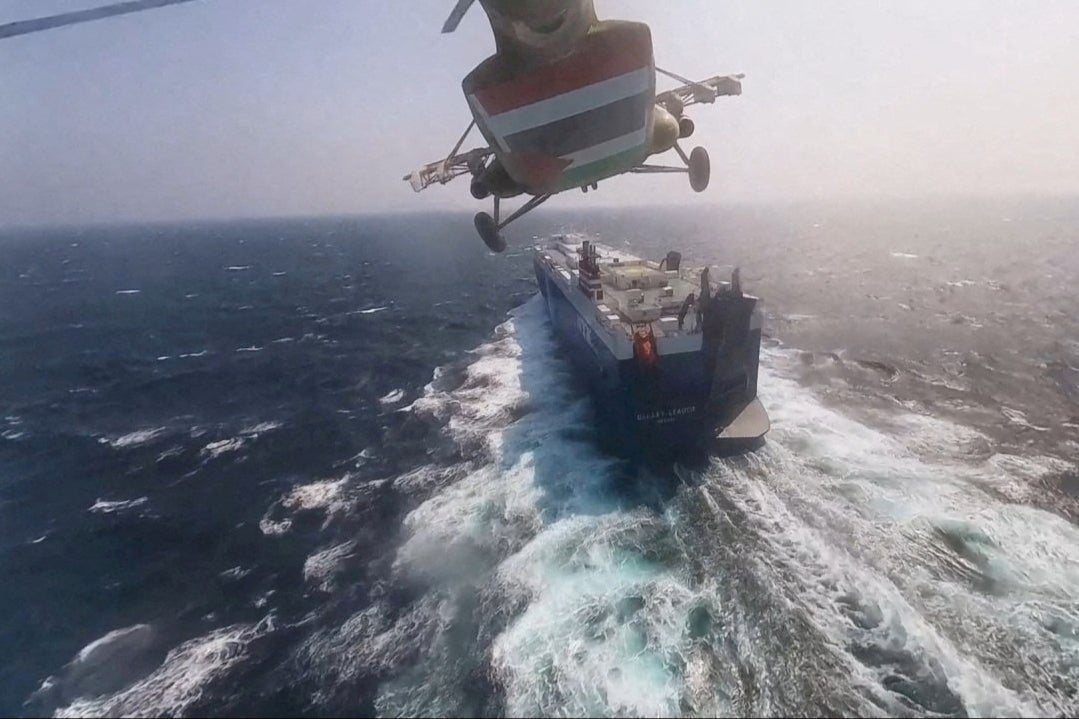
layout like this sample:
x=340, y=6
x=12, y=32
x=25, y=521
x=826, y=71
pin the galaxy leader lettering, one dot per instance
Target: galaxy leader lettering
x=663, y=415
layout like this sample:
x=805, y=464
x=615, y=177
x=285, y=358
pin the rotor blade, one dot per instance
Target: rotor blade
x=22, y=27
x=456, y=15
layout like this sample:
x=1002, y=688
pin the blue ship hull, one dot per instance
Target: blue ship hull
x=680, y=403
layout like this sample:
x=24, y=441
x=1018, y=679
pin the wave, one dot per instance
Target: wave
x=320, y=568
x=134, y=439
x=103, y=666
x=392, y=397
x=255, y=430
x=849, y=567
x=224, y=446
x=181, y=681
x=102, y=506
x=327, y=496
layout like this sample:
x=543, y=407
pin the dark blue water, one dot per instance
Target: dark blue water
x=337, y=467
x=127, y=352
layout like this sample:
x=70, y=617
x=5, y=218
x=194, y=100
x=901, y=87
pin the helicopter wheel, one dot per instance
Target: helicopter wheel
x=685, y=127
x=700, y=169
x=488, y=231
x=479, y=190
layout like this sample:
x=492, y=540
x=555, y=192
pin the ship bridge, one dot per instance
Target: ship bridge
x=628, y=290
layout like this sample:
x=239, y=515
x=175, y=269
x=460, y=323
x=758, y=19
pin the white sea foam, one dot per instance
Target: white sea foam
x=221, y=447
x=536, y=518
x=180, y=681
x=134, y=439
x=215, y=449
x=392, y=397
x=101, y=647
x=102, y=506
x=851, y=567
x=828, y=480
x=235, y=573
x=1019, y=419
x=320, y=568
x=848, y=566
x=261, y=428
x=102, y=667
x=326, y=494
x=274, y=528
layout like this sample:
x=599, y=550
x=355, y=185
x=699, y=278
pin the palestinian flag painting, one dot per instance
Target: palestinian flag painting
x=578, y=120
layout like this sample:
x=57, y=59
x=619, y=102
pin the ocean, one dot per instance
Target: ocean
x=339, y=466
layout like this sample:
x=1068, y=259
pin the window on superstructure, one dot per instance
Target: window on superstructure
x=599, y=294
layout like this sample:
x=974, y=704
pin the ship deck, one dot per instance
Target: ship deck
x=634, y=290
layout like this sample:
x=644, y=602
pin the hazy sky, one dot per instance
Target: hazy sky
x=226, y=108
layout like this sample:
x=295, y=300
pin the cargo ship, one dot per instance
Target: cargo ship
x=670, y=354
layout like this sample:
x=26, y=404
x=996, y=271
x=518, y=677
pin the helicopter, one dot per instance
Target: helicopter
x=566, y=101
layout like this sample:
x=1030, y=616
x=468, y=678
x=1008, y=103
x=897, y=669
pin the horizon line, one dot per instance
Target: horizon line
x=574, y=209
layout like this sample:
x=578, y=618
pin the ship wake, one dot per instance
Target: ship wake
x=843, y=568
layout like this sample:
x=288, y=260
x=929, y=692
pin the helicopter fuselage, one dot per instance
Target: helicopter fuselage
x=587, y=116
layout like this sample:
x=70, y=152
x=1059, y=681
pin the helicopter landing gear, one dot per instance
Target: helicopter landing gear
x=698, y=167
x=488, y=231
x=490, y=228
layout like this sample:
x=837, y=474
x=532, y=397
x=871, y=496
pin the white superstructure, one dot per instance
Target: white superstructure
x=623, y=293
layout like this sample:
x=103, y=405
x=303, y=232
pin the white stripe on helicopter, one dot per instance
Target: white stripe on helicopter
x=607, y=149
x=569, y=103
